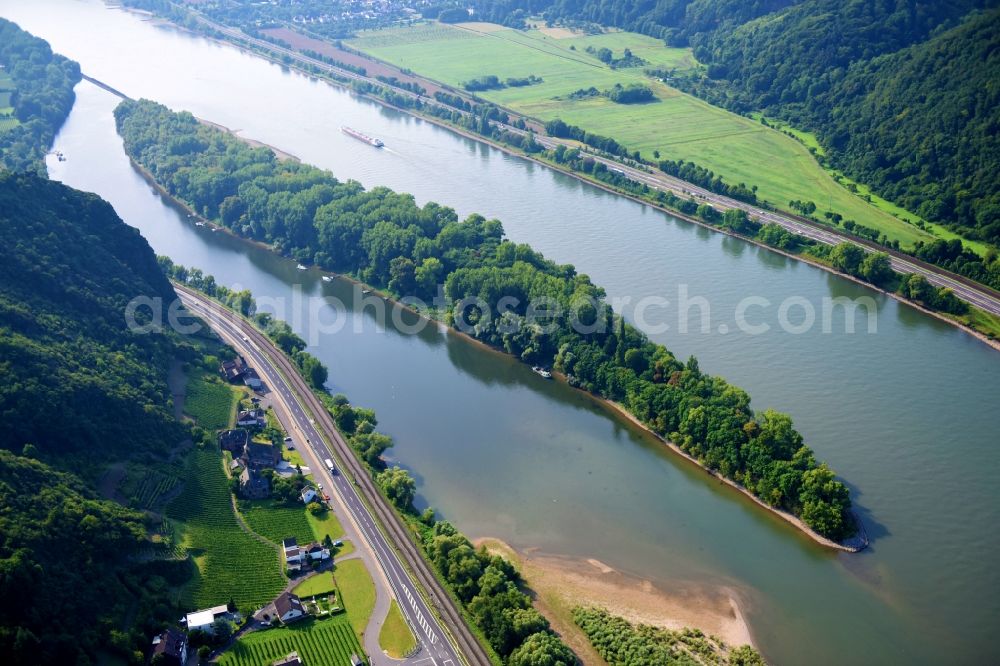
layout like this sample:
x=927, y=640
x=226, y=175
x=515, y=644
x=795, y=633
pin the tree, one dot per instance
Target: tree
x=847, y=257
x=707, y=212
x=876, y=268
x=542, y=649
x=399, y=487
x=221, y=630
x=315, y=508
x=402, y=276
x=371, y=446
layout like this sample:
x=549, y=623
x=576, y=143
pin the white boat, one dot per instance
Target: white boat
x=199, y=224
x=301, y=267
x=327, y=278
x=542, y=372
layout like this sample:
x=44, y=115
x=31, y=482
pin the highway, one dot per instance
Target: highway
x=979, y=295
x=317, y=431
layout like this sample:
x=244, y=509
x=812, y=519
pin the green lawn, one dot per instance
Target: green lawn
x=679, y=126
x=230, y=562
x=395, y=636
x=210, y=401
x=325, y=524
x=357, y=593
x=327, y=642
x=321, y=583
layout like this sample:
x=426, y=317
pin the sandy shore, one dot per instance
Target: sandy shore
x=561, y=583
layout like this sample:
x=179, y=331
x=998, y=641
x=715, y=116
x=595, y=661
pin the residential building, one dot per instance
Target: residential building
x=172, y=644
x=292, y=659
x=253, y=418
x=260, y=454
x=234, y=440
x=253, y=485
x=288, y=608
x=294, y=556
x=203, y=619
x=308, y=494
x=252, y=379
x=232, y=371
x=315, y=551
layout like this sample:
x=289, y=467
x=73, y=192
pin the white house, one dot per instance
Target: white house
x=308, y=494
x=294, y=556
x=288, y=607
x=203, y=619
x=251, y=417
x=316, y=552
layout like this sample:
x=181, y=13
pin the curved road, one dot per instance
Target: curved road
x=317, y=429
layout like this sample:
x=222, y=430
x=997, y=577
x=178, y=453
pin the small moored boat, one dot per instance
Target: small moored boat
x=327, y=278
x=301, y=267
x=542, y=372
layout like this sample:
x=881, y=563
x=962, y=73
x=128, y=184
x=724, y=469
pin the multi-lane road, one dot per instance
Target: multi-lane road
x=967, y=290
x=349, y=481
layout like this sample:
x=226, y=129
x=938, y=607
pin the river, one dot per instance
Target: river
x=909, y=415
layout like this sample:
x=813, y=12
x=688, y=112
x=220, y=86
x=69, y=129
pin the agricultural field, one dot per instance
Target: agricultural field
x=676, y=125
x=324, y=641
x=395, y=636
x=145, y=486
x=231, y=563
x=210, y=401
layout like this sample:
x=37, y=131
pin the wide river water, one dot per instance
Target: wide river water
x=909, y=415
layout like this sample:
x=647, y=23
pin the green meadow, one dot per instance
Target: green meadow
x=7, y=119
x=677, y=125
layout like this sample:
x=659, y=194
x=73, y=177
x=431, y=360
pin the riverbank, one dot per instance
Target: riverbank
x=560, y=584
x=989, y=337
x=856, y=544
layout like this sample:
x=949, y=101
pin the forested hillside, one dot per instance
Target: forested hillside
x=902, y=93
x=41, y=99
x=78, y=390
x=386, y=239
x=75, y=379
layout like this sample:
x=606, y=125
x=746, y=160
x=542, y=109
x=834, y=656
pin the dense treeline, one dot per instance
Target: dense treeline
x=42, y=98
x=901, y=93
x=621, y=643
x=707, y=179
x=79, y=390
x=384, y=238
